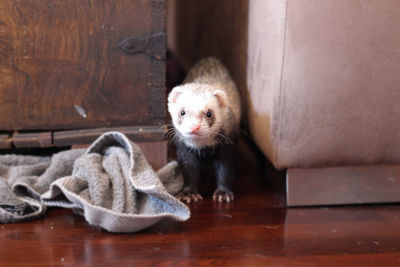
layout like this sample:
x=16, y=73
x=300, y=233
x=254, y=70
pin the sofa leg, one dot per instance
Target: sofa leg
x=343, y=185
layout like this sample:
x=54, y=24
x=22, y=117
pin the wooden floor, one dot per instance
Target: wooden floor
x=254, y=230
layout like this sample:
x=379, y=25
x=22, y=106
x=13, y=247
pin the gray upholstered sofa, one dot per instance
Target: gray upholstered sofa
x=321, y=81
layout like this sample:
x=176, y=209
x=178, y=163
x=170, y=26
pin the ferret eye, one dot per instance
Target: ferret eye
x=209, y=114
x=183, y=112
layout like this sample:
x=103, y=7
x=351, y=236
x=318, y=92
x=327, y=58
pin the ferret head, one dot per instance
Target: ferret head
x=198, y=113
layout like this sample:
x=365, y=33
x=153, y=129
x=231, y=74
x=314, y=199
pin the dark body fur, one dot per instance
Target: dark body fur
x=220, y=158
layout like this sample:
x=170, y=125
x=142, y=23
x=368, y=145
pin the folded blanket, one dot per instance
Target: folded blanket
x=111, y=184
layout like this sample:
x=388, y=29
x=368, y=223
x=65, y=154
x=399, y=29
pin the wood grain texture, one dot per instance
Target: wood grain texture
x=41, y=139
x=255, y=230
x=87, y=136
x=5, y=141
x=156, y=153
x=61, y=67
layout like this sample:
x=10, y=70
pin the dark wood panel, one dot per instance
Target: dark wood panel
x=343, y=185
x=42, y=139
x=61, y=65
x=155, y=152
x=5, y=141
x=87, y=136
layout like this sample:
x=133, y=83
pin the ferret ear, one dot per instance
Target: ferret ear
x=173, y=96
x=221, y=97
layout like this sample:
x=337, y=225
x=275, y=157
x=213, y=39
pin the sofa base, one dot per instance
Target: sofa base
x=343, y=185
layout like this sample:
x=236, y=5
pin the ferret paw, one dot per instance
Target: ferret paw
x=189, y=197
x=223, y=196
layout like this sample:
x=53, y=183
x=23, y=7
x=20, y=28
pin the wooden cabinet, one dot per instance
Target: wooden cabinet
x=68, y=68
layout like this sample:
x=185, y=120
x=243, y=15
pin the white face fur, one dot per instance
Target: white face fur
x=197, y=112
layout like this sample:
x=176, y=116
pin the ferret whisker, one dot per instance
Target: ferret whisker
x=168, y=125
x=172, y=140
x=227, y=139
x=169, y=132
x=171, y=135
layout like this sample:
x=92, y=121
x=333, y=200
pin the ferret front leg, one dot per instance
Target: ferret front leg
x=191, y=177
x=225, y=176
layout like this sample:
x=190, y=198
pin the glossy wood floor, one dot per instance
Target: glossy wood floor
x=255, y=230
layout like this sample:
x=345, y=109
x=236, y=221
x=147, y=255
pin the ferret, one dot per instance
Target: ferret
x=205, y=112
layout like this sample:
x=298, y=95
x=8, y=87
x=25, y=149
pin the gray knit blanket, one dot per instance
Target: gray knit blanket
x=111, y=184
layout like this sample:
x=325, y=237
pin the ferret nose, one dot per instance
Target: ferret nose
x=194, y=128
